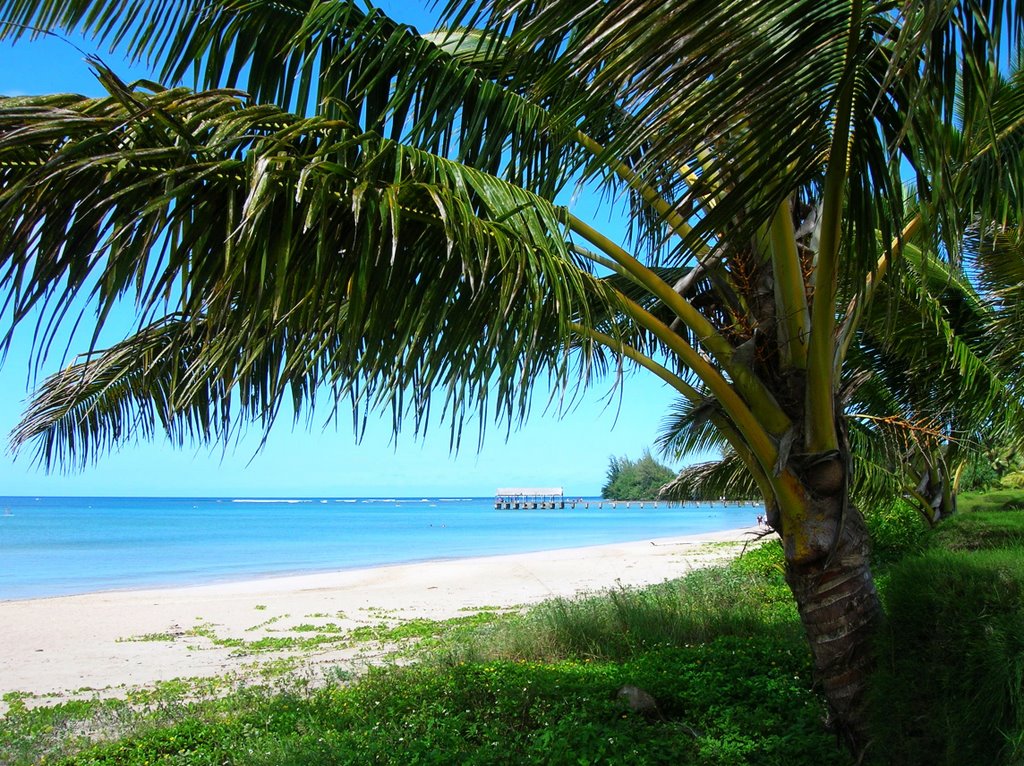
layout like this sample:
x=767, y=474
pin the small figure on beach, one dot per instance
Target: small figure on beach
x=760, y=520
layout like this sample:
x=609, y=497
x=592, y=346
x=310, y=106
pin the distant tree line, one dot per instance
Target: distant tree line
x=635, y=479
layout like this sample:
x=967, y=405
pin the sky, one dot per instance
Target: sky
x=570, y=449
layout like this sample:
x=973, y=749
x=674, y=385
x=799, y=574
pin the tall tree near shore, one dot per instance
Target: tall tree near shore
x=635, y=479
x=378, y=219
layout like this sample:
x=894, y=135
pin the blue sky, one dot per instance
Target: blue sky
x=570, y=451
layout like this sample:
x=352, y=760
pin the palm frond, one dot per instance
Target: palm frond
x=930, y=385
x=126, y=392
x=970, y=173
x=956, y=44
x=743, y=92
x=687, y=429
x=882, y=467
x=712, y=480
x=340, y=60
x=934, y=335
x=417, y=272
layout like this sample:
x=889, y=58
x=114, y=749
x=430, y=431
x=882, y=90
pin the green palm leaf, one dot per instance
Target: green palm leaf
x=123, y=393
x=208, y=203
x=712, y=480
x=335, y=59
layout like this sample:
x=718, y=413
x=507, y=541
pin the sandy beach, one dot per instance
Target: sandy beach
x=58, y=648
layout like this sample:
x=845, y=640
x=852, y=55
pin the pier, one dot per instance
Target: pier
x=528, y=498
x=551, y=498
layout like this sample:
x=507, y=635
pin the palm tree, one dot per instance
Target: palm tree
x=378, y=218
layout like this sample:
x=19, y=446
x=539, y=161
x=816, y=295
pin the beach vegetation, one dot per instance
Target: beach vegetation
x=268, y=622
x=640, y=479
x=278, y=667
x=16, y=697
x=324, y=627
x=376, y=611
x=151, y=637
x=306, y=637
x=354, y=225
x=421, y=628
x=270, y=643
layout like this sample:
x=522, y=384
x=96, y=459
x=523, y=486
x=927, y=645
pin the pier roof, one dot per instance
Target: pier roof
x=529, y=491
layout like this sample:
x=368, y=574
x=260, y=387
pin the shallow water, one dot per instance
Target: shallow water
x=52, y=546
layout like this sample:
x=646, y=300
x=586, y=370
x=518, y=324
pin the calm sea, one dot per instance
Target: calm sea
x=52, y=546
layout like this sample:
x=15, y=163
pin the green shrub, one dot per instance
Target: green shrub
x=949, y=683
x=980, y=530
x=896, y=531
x=1013, y=480
x=978, y=475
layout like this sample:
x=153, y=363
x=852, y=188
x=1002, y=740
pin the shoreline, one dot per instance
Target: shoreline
x=53, y=548
x=247, y=578
x=63, y=647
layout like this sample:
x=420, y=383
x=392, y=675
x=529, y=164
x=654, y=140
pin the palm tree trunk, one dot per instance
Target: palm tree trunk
x=840, y=611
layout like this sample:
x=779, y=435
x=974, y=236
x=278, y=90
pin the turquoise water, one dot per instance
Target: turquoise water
x=51, y=546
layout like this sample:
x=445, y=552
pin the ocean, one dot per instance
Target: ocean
x=55, y=546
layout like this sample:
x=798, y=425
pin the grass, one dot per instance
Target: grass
x=981, y=530
x=997, y=500
x=626, y=622
x=949, y=689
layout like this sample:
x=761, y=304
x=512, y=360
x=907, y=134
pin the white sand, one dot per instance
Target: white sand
x=60, y=646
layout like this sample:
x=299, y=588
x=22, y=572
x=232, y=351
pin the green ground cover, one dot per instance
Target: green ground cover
x=995, y=500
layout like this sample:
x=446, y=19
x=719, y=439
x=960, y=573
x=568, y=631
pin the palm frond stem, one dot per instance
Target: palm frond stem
x=608, y=263
x=922, y=504
x=723, y=425
x=753, y=432
x=820, y=427
x=674, y=220
x=790, y=291
x=858, y=303
x=761, y=399
x=621, y=347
